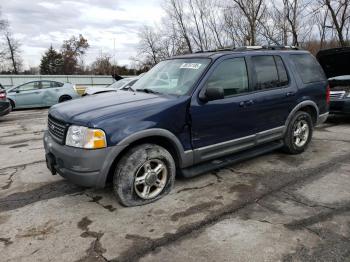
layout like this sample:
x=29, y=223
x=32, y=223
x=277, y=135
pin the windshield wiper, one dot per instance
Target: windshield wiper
x=128, y=88
x=148, y=91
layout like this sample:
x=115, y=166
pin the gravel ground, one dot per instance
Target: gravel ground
x=274, y=207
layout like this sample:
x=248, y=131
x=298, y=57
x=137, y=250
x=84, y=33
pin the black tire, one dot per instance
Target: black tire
x=130, y=166
x=12, y=104
x=290, y=144
x=64, y=98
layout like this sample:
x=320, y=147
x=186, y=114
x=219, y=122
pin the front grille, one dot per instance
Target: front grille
x=337, y=94
x=57, y=129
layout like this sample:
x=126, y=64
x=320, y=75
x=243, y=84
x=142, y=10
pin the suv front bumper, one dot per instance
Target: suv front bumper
x=83, y=167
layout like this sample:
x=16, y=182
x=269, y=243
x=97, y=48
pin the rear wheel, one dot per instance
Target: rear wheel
x=299, y=133
x=144, y=174
x=64, y=98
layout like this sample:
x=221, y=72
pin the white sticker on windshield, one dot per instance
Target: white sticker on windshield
x=194, y=66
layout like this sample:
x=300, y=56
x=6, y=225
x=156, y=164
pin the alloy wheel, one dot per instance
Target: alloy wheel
x=150, y=179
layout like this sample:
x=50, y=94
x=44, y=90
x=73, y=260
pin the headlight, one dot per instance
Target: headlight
x=83, y=137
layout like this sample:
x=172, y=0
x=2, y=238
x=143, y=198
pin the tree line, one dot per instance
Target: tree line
x=198, y=25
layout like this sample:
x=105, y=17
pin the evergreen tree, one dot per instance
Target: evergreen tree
x=51, y=63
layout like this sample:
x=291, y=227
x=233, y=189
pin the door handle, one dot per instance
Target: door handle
x=246, y=103
x=290, y=94
x=249, y=102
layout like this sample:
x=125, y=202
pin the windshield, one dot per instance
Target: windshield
x=175, y=76
x=120, y=83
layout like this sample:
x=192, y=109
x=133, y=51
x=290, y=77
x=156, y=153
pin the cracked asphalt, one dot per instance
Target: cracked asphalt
x=273, y=207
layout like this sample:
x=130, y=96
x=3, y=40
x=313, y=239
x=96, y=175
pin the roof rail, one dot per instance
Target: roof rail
x=252, y=48
x=267, y=47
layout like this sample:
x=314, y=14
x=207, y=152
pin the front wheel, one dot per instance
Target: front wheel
x=144, y=174
x=299, y=133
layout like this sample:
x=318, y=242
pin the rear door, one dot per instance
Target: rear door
x=274, y=93
x=51, y=92
x=226, y=125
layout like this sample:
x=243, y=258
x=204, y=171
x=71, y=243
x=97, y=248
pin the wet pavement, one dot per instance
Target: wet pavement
x=274, y=207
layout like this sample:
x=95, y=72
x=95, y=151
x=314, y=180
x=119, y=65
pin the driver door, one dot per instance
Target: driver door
x=226, y=125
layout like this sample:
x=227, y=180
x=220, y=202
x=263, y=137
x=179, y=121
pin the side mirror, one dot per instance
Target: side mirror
x=211, y=93
x=17, y=91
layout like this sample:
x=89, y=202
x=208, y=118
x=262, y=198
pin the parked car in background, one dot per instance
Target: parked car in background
x=191, y=114
x=121, y=84
x=41, y=93
x=5, y=106
x=336, y=64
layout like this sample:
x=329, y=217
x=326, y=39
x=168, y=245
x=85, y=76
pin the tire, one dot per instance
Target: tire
x=298, y=134
x=64, y=98
x=12, y=104
x=136, y=172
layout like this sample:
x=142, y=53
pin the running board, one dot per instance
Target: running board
x=229, y=160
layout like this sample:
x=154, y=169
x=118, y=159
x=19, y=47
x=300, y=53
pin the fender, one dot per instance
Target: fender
x=185, y=157
x=297, y=108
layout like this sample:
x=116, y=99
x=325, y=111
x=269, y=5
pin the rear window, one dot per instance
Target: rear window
x=270, y=72
x=308, y=68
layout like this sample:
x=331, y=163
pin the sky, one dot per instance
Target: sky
x=37, y=24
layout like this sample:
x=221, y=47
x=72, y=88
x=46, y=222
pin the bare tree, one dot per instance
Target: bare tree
x=12, y=51
x=149, y=44
x=340, y=14
x=321, y=23
x=253, y=11
x=176, y=11
x=195, y=14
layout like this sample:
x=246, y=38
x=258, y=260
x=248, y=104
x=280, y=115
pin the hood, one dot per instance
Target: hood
x=91, y=109
x=94, y=90
x=335, y=61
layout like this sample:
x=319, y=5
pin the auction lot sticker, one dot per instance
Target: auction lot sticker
x=194, y=66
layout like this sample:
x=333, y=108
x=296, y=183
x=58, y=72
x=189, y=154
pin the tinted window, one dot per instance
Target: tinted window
x=265, y=72
x=308, y=68
x=231, y=75
x=54, y=84
x=282, y=72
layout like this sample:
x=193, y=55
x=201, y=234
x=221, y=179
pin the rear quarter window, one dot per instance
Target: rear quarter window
x=308, y=68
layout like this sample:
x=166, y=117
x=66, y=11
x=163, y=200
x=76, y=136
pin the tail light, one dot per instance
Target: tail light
x=328, y=94
x=3, y=95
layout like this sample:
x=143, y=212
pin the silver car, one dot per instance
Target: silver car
x=43, y=93
x=121, y=84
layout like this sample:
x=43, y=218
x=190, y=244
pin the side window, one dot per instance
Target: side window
x=56, y=84
x=282, y=72
x=308, y=68
x=45, y=84
x=265, y=72
x=29, y=86
x=231, y=75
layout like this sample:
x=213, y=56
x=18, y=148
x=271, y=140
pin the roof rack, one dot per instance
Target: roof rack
x=252, y=48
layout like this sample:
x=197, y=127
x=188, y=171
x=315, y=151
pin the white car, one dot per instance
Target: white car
x=121, y=84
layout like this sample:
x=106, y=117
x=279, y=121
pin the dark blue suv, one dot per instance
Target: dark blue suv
x=188, y=115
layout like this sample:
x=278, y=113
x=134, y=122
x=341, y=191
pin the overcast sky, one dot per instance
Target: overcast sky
x=40, y=23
